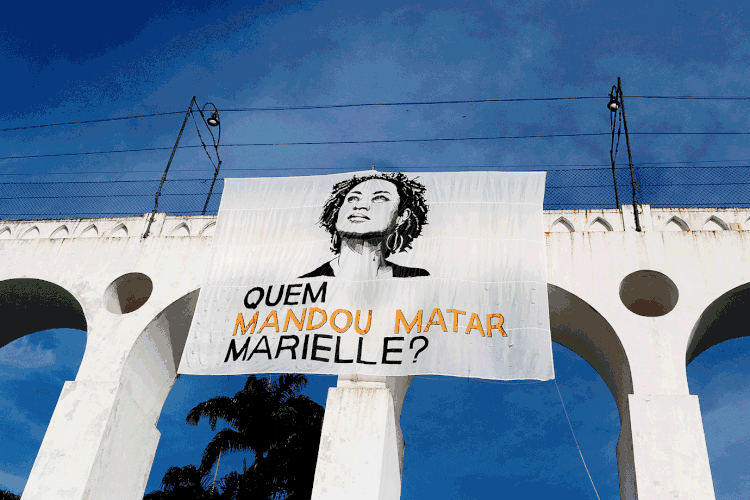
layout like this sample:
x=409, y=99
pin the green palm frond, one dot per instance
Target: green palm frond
x=221, y=407
x=270, y=417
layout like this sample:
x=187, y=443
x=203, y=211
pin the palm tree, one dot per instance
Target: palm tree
x=271, y=418
x=8, y=495
x=180, y=483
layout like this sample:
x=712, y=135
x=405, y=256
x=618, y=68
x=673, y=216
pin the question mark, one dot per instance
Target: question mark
x=411, y=346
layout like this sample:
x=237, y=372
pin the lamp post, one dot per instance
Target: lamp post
x=613, y=106
x=615, y=102
x=213, y=121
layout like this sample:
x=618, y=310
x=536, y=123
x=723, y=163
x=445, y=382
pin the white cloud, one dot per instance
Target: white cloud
x=725, y=426
x=14, y=483
x=16, y=415
x=21, y=354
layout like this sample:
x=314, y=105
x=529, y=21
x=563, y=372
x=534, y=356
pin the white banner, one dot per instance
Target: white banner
x=378, y=274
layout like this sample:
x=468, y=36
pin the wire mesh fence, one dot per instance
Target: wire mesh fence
x=680, y=186
x=694, y=186
x=121, y=198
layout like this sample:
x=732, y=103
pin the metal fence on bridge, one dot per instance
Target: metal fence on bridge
x=585, y=187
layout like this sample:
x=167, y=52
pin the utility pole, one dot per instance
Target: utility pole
x=211, y=122
x=164, y=177
x=630, y=158
x=613, y=106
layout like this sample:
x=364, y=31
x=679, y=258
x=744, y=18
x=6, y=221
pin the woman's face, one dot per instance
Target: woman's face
x=369, y=209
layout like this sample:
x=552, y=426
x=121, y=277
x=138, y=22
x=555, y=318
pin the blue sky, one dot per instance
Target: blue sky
x=466, y=438
x=93, y=61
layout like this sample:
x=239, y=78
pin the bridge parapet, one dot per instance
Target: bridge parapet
x=651, y=219
x=124, y=227
x=601, y=219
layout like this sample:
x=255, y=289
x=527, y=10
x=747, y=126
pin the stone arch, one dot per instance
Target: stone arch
x=90, y=232
x=5, y=233
x=676, y=224
x=712, y=222
x=208, y=230
x=119, y=231
x=579, y=327
x=149, y=371
x=561, y=225
x=151, y=366
x=600, y=224
x=60, y=232
x=582, y=329
x=31, y=233
x=723, y=319
x=180, y=229
x=22, y=299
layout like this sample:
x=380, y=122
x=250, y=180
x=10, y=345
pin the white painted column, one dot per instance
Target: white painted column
x=669, y=449
x=361, y=446
x=99, y=445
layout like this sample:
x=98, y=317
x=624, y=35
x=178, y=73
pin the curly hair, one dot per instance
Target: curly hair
x=410, y=194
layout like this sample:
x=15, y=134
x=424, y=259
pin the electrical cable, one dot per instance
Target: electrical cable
x=575, y=439
x=597, y=166
x=383, y=141
x=332, y=106
x=439, y=139
x=474, y=101
x=145, y=195
x=51, y=155
x=201, y=138
x=205, y=180
x=98, y=182
x=90, y=121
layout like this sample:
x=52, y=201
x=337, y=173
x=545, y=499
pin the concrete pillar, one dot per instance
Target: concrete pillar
x=102, y=438
x=361, y=451
x=99, y=444
x=669, y=452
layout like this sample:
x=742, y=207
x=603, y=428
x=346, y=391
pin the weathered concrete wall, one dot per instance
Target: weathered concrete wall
x=135, y=297
x=103, y=432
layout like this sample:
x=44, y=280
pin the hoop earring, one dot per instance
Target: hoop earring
x=335, y=242
x=395, y=246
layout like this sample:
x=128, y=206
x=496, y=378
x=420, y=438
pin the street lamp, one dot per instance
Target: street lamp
x=613, y=105
x=616, y=102
x=213, y=121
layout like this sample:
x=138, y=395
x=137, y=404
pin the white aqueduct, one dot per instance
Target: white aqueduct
x=637, y=306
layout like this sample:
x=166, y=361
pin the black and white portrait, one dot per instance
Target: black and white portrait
x=370, y=218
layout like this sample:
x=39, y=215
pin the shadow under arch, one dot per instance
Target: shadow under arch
x=32, y=305
x=150, y=369
x=582, y=329
x=579, y=327
x=724, y=319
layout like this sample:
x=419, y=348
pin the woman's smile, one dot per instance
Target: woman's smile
x=358, y=217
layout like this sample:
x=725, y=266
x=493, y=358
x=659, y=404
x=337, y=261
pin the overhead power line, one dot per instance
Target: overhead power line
x=90, y=121
x=475, y=101
x=98, y=182
x=369, y=104
x=50, y=155
x=597, y=166
x=382, y=141
x=414, y=103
